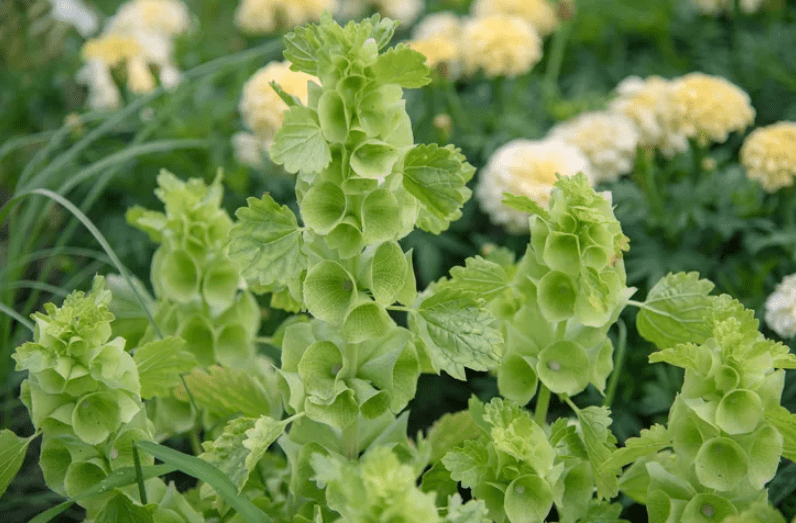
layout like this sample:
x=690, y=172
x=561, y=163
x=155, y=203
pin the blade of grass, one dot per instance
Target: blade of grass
x=206, y=472
x=31, y=284
x=16, y=316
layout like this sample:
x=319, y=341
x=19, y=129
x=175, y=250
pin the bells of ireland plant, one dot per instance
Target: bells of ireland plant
x=558, y=302
x=362, y=184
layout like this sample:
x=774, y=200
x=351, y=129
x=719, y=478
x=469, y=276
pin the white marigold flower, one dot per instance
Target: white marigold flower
x=539, y=13
x=164, y=17
x=526, y=168
x=648, y=102
x=249, y=150
x=781, y=308
x=708, y=108
x=501, y=45
x=717, y=7
x=608, y=139
x=76, y=13
x=769, y=155
x=407, y=11
x=266, y=16
x=444, y=23
x=103, y=94
x=261, y=107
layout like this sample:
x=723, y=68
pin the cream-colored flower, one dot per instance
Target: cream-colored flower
x=444, y=23
x=708, y=108
x=769, y=155
x=266, y=16
x=442, y=54
x=406, y=11
x=249, y=150
x=717, y=7
x=111, y=49
x=648, y=102
x=76, y=13
x=261, y=107
x=501, y=45
x=350, y=9
x=164, y=17
x=781, y=308
x=608, y=139
x=139, y=77
x=526, y=168
x=103, y=94
x=539, y=13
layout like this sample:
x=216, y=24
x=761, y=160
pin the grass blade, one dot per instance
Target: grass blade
x=15, y=315
x=206, y=472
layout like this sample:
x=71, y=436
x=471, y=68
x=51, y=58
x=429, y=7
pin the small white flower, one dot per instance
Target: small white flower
x=406, y=11
x=76, y=13
x=526, y=168
x=249, y=150
x=781, y=308
x=102, y=91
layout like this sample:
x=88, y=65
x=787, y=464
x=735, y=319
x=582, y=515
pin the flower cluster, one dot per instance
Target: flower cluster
x=781, y=308
x=501, y=38
x=707, y=108
x=139, y=36
x=266, y=16
x=718, y=7
x=769, y=155
x=262, y=108
x=195, y=282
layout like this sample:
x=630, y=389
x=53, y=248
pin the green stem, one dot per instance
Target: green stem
x=621, y=351
x=498, y=86
x=455, y=109
x=561, y=330
x=644, y=168
x=553, y=70
x=698, y=158
x=542, y=404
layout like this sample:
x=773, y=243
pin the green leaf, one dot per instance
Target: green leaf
x=525, y=204
x=600, y=445
x=12, y=454
x=333, y=116
x=289, y=99
x=564, y=367
x=457, y=332
x=225, y=392
x=323, y=207
x=366, y=321
x=206, y=472
x=649, y=442
x=685, y=355
x=403, y=66
x=528, y=500
x=603, y=512
x=721, y=463
x=677, y=310
x=387, y=272
x=785, y=423
x=481, y=277
x=436, y=176
x=374, y=159
x=299, y=145
x=301, y=47
x=449, y=431
x=266, y=242
x=121, y=509
x=160, y=364
x=238, y=449
x=380, y=214
x=468, y=464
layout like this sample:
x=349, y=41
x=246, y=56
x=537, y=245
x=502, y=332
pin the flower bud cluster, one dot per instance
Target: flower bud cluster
x=195, y=282
x=570, y=289
x=82, y=392
x=725, y=447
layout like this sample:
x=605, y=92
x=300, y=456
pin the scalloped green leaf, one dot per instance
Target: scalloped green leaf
x=299, y=145
x=600, y=445
x=160, y=364
x=329, y=291
x=12, y=454
x=266, y=243
x=677, y=310
x=458, y=332
x=403, y=66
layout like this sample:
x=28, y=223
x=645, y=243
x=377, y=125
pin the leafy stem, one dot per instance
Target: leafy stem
x=621, y=350
x=542, y=404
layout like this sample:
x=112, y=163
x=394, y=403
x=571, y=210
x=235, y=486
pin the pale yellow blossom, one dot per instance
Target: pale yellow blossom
x=780, y=312
x=500, y=45
x=769, y=155
x=649, y=103
x=407, y=11
x=526, y=168
x=608, y=139
x=717, y=7
x=163, y=17
x=539, y=13
x=261, y=107
x=708, y=108
x=266, y=16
